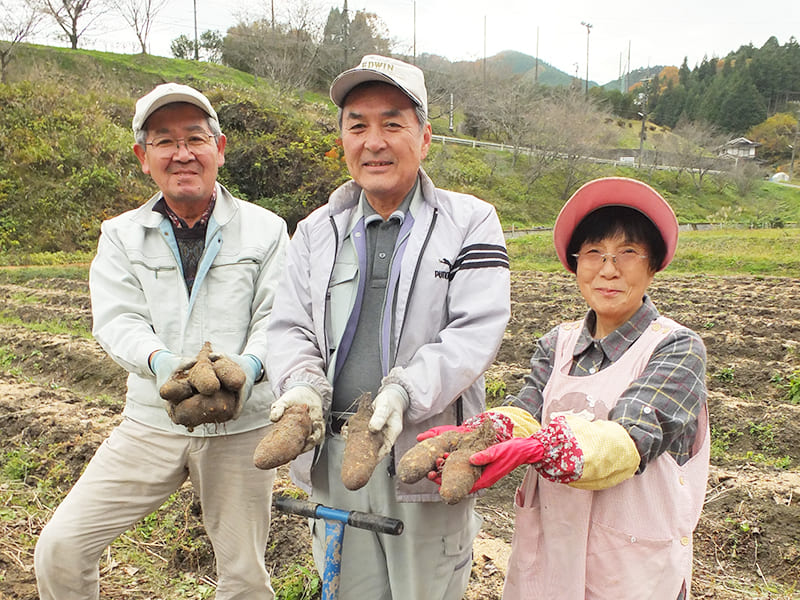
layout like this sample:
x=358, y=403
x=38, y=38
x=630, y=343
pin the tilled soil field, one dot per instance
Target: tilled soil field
x=60, y=395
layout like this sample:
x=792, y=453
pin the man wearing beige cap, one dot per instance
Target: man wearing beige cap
x=191, y=265
x=400, y=289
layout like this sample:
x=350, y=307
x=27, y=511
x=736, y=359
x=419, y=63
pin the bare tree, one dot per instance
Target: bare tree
x=18, y=21
x=73, y=17
x=694, y=149
x=566, y=130
x=140, y=15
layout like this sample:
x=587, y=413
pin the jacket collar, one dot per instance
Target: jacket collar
x=224, y=209
x=347, y=195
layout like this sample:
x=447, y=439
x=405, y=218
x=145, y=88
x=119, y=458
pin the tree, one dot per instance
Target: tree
x=694, y=149
x=182, y=47
x=74, y=17
x=345, y=40
x=776, y=136
x=18, y=21
x=140, y=14
x=209, y=47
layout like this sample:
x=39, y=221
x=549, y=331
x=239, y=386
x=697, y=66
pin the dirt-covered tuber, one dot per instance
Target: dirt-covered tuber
x=285, y=439
x=361, y=446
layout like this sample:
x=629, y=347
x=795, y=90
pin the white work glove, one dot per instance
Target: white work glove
x=388, y=408
x=164, y=363
x=299, y=395
x=252, y=368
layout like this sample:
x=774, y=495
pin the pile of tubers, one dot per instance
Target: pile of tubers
x=458, y=474
x=204, y=393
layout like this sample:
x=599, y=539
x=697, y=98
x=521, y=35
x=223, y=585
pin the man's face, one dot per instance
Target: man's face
x=383, y=143
x=185, y=173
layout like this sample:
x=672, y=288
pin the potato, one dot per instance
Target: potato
x=203, y=408
x=421, y=459
x=361, y=446
x=285, y=439
x=202, y=375
x=230, y=375
x=177, y=387
x=458, y=474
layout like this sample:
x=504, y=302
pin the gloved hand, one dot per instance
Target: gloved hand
x=252, y=368
x=503, y=426
x=500, y=459
x=590, y=455
x=164, y=363
x=388, y=406
x=299, y=395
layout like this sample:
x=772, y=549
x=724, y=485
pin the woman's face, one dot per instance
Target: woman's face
x=613, y=275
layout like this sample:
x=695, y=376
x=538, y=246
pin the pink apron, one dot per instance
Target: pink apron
x=631, y=541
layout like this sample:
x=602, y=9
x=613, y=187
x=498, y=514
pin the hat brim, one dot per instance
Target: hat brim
x=615, y=191
x=345, y=82
x=141, y=116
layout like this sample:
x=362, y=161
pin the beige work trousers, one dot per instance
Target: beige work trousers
x=430, y=560
x=132, y=473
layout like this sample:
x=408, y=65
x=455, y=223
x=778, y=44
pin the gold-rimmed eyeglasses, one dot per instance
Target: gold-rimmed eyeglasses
x=595, y=259
x=194, y=143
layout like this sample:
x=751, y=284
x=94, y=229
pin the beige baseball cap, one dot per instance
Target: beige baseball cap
x=373, y=67
x=167, y=93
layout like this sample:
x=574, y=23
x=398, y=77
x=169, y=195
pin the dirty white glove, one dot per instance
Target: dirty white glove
x=388, y=408
x=164, y=363
x=299, y=395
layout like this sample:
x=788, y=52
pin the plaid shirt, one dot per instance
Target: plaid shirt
x=660, y=408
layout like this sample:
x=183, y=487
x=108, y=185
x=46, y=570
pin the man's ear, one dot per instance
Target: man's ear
x=141, y=155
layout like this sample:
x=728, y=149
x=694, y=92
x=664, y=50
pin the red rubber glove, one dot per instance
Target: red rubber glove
x=434, y=431
x=503, y=426
x=499, y=460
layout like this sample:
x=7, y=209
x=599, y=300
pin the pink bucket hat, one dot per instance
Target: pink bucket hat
x=615, y=191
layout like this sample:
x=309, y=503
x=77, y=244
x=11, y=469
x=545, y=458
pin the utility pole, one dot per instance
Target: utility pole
x=536, y=71
x=196, y=45
x=794, y=146
x=272, y=11
x=415, y=32
x=643, y=114
x=484, y=50
x=346, y=33
x=588, y=30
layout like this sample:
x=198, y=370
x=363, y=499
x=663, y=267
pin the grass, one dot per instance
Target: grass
x=767, y=252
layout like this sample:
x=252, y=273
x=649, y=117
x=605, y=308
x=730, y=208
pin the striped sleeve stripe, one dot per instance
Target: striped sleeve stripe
x=480, y=256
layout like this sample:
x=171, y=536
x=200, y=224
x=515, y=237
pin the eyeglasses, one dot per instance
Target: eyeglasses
x=194, y=143
x=594, y=259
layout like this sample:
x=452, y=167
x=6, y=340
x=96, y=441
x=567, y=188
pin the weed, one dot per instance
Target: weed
x=793, y=388
x=299, y=582
x=7, y=357
x=725, y=374
x=721, y=440
x=18, y=463
x=495, y=391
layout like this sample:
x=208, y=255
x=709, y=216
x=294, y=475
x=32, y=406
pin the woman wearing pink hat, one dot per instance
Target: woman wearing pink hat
x=618, y=466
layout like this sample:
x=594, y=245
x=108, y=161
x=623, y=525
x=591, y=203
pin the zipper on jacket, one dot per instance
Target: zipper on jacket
x=327, y=292
x=414, y=279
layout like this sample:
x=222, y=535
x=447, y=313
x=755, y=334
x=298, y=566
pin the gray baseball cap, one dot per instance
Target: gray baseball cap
x=167, y=93
x=409, y=78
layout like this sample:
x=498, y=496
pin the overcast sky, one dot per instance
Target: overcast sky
x=657, y=33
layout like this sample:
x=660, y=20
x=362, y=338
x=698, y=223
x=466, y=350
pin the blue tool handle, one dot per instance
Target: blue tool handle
x=354, y=518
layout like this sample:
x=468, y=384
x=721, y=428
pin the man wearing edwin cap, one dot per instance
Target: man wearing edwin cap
x=191, y=265
x=400, y=289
